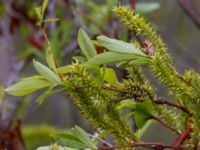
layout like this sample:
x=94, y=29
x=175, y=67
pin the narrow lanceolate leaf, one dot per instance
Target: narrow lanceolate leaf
x=86, y=44
x=139, y=62
x=44, y=6
x=110, y=57
x=46, y=72
x=40, y=100
x=50, y=59
x=69, y=140
x=27, y=86
x=118, y=46
x=83, y=136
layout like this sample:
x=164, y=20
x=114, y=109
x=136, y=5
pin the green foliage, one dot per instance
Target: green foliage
x=163, y=69
x=86, y=45
x=109, y=75
x=118, y=46
x=44, y=6
x=40, y=12
x=27, y=86
x=50, y=59
x=142, y=113
x=40, y=100
x=101, y=98
x=47, y=73
x=78, y=138
x=83, y=136
x=126, y=103
x=109, y=57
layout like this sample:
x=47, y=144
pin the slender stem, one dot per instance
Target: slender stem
x=156, y=146
x=42, y=27
x=103, y=141
x=163, y=101
x=45, y=35
x=164, y=124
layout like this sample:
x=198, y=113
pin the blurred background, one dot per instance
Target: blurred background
x=21, y=41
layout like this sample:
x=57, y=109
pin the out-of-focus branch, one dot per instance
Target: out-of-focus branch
x=192, y=13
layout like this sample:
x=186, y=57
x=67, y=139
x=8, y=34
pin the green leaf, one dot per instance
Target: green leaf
x=118, y=46
x=83, y=136
x=69, y=140
x=50, y=59
x=40, y=100
x=44, y=6
x=126, y=103
x=86, y=44
x=139, y=62
x=109, y=57
x=27, y=86
x=65, y=69
x=2, y=92
x=141, y=131
x=146, y=8
x=109, y=75
x=142, y=114
x=46, y=72
x=34, y=77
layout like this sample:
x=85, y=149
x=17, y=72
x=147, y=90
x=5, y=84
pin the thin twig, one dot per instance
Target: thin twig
x=156, y=146
x=45, y=35
x=163, y=101
x=164, y=124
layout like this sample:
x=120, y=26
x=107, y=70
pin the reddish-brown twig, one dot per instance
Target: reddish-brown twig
x=164, y=124
x=184, y=135
x=166, y=102
x=156, y=146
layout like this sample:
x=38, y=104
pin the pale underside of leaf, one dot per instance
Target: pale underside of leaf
x=111, y=57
